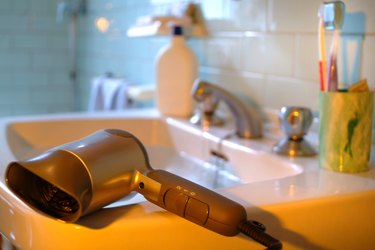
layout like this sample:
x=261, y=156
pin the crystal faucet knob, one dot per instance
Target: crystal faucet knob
x=295, y=122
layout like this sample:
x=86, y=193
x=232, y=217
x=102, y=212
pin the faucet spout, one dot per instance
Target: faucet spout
x=247, y=120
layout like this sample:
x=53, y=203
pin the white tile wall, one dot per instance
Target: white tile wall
x=223, y=53
x=283, y=48
x=293, y=15
x=235, y=15
x=270, y=54
x=306, y=59
x=364, y=8
x=369, y=60
x=281, y=92
x=266, y=49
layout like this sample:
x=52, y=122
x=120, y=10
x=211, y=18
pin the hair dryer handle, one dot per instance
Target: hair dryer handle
x=197, y=204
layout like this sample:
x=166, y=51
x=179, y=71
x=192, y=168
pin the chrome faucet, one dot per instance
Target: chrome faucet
x=247, y=120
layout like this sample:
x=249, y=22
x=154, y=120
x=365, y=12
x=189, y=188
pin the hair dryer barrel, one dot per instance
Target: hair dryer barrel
x=104, y=163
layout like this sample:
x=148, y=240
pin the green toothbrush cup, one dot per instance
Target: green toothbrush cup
x=345, y=131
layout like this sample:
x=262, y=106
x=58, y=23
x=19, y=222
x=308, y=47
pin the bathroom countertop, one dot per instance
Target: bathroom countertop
x=316, y=209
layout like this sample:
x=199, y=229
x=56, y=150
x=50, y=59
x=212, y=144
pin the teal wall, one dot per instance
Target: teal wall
x=112, y=51
x=34, y=61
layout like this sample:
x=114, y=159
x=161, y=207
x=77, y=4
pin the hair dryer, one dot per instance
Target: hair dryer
x=75, y=179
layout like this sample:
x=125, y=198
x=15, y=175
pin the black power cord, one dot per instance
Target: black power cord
x=257, y=232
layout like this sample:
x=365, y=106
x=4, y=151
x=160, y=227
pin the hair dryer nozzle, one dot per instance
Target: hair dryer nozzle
x=77, y=178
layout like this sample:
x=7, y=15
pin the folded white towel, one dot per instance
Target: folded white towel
x=96, y=101
x=110, y=88
x=121, y=100
x=108, y=94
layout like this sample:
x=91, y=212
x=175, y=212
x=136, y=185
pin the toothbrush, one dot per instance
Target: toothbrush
x=332, y=84
x=333, y=19
x=321, y=45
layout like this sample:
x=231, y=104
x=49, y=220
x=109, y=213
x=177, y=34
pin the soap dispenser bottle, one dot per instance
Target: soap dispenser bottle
x=176, y=71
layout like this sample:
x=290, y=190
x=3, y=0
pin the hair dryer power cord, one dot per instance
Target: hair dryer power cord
x=256, y=231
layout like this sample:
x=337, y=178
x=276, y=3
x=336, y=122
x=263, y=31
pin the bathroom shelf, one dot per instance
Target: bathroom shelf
x=141, y=93
x=160, y=25
x=160, y=29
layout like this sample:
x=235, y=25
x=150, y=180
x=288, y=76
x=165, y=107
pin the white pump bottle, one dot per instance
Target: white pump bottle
x=176, y=71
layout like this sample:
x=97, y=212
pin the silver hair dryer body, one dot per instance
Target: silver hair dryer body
x=77, y=178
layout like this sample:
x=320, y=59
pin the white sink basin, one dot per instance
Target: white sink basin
x=172, y=144
x=303, y=206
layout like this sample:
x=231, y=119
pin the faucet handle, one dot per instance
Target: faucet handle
x=295, y=122
x=205, y=113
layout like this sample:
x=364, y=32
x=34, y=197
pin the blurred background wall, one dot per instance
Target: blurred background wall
x=265, y=49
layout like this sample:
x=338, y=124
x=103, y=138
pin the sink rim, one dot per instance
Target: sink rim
x=312, y=184
x=29, y=132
